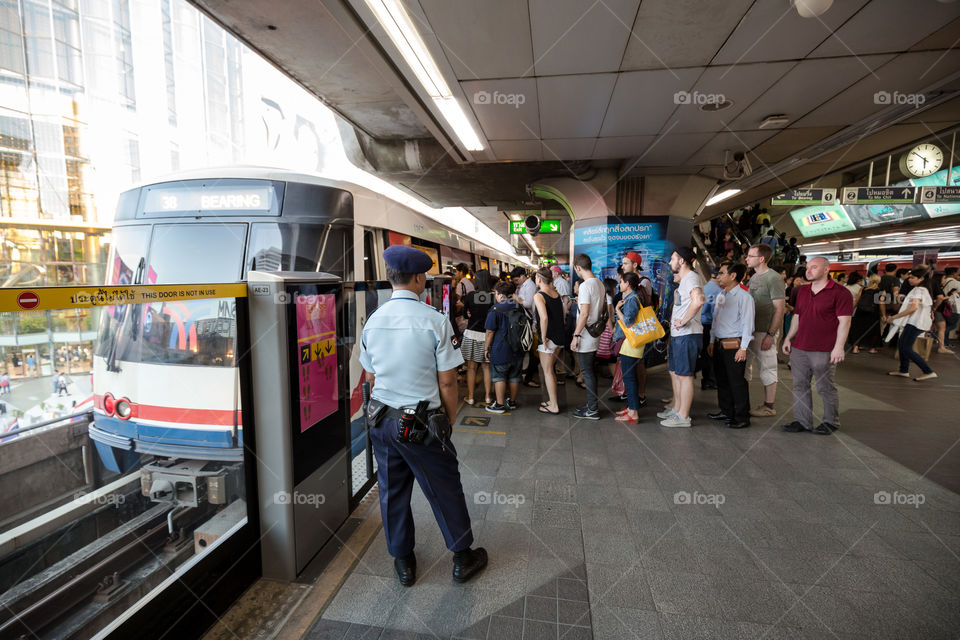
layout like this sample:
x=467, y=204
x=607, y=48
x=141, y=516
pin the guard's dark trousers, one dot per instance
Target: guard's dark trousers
x=733, y=392
x=438, y=475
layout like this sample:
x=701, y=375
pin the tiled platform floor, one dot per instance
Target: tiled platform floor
x=599, y=530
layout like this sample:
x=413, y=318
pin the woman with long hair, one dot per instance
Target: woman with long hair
x=865, y=326
x=917, y=308
x=550, y=313
x=476, y=306
x=630, y=357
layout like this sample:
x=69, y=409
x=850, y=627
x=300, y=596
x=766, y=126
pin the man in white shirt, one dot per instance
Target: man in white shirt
x=526, y=289
x=686, y=337
x=591, y=300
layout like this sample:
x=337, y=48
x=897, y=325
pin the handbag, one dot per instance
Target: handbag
x=646, y=328
x=618, y=387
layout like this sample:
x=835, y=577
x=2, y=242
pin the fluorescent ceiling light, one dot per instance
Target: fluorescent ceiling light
x=457, y=119
x=723, y=195
x=884, y=235
x=399, y=27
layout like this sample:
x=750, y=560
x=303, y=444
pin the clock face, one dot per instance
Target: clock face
x=922, y=160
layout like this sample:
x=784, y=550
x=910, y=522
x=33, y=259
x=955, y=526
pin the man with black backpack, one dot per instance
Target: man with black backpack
x=509, y=335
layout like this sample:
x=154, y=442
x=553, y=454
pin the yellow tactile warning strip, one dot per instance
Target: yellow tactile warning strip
x=50, y=298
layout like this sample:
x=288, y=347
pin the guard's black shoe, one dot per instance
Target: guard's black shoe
x=733, y=424
x=406, y=569
x=468, y=563
x=823, y=429
x=793, y=427
x=718, y=415
x=707, y=385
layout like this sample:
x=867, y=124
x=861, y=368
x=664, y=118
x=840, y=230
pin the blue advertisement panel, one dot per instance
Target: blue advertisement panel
x=609, y=241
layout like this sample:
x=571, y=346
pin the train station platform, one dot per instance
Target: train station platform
x=607, y=531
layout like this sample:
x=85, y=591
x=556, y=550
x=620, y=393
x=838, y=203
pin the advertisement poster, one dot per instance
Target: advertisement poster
x=317, y=347
x=609, y=241
x=820, y=220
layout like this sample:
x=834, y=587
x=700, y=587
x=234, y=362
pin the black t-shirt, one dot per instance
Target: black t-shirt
x=476, y=306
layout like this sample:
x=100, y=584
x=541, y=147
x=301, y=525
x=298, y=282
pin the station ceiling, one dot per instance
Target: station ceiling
x=569, y=87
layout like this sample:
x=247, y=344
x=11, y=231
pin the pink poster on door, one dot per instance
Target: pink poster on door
x=317, y=347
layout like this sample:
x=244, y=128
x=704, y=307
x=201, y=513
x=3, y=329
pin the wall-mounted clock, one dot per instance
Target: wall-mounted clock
x=923, y=160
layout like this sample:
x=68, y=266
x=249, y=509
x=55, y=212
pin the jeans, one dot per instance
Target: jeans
x=589, y=378
x=628, y=366
x=905, y=346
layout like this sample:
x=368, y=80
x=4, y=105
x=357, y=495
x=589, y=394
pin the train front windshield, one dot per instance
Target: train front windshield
x=195, y=332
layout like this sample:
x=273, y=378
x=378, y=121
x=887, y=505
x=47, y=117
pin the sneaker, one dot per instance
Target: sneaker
x=675, y=421
x=643, y=402
x=926, y=376
x=586, y=414
x=513, y=406
x=666, y=413
x=763, y=411
x=824, y=429
x=496, y=407
x=901, y=374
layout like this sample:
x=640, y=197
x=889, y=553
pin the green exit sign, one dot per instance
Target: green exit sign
x=546, y=226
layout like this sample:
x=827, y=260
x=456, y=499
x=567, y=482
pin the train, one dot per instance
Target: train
x=868, y=264
x=165, y=380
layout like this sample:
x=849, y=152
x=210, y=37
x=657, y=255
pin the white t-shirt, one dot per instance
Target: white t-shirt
x=592, y=293
x=920, y=318
x=562, y=286
x=682, y=298
x=526, y=292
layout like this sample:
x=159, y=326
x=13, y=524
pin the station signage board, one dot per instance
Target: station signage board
x=805, y=197
x=546, y=226
x=937, y=195
x=879, y=195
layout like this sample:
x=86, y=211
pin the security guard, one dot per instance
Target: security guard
x=410, y=355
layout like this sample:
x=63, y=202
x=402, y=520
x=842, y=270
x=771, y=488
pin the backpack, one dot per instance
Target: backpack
x=953, y=298
x=654, y=296
x=519, y=330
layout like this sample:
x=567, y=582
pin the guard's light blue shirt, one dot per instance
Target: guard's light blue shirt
x=711, y=291
x=405, y=343
x=733, y=316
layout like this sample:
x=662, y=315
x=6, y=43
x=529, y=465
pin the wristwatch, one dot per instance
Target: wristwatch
x=771, y=334
x=576, y=335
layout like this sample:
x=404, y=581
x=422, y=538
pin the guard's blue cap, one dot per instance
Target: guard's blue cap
x=407, y=259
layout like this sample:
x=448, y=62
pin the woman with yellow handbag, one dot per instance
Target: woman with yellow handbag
x=631, y=357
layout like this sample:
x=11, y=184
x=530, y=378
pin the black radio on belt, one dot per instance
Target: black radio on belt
x=412, y=426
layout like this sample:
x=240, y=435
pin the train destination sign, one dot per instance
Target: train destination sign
x=805, y=197
x=879, y=195
x=945, y=195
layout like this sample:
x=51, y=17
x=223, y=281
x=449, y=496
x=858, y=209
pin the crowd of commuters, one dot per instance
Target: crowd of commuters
x=729, y=325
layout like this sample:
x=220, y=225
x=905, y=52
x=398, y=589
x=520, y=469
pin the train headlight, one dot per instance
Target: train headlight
x=123, y=408
x=109, y=404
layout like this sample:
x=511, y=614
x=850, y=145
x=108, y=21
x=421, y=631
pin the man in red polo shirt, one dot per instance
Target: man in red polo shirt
x=821, y=321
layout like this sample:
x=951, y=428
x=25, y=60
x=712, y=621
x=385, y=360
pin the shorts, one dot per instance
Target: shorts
x=506, y=372
x=683, y=353
x=938, y=317
x=472, y=348
x=766, y=361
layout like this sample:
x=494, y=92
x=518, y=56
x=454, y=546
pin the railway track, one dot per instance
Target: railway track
x=89, y=585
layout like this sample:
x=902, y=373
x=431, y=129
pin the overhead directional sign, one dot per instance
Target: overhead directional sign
x=805, y=197
x=546, y=226
x=933, y=195
x=878, y=195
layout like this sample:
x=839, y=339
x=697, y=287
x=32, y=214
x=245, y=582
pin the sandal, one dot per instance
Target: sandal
x=626, y=419
x=532, y=383
x=543, y=409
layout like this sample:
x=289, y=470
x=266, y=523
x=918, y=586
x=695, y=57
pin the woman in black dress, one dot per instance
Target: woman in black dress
x=550, y=313
x=476, y=306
